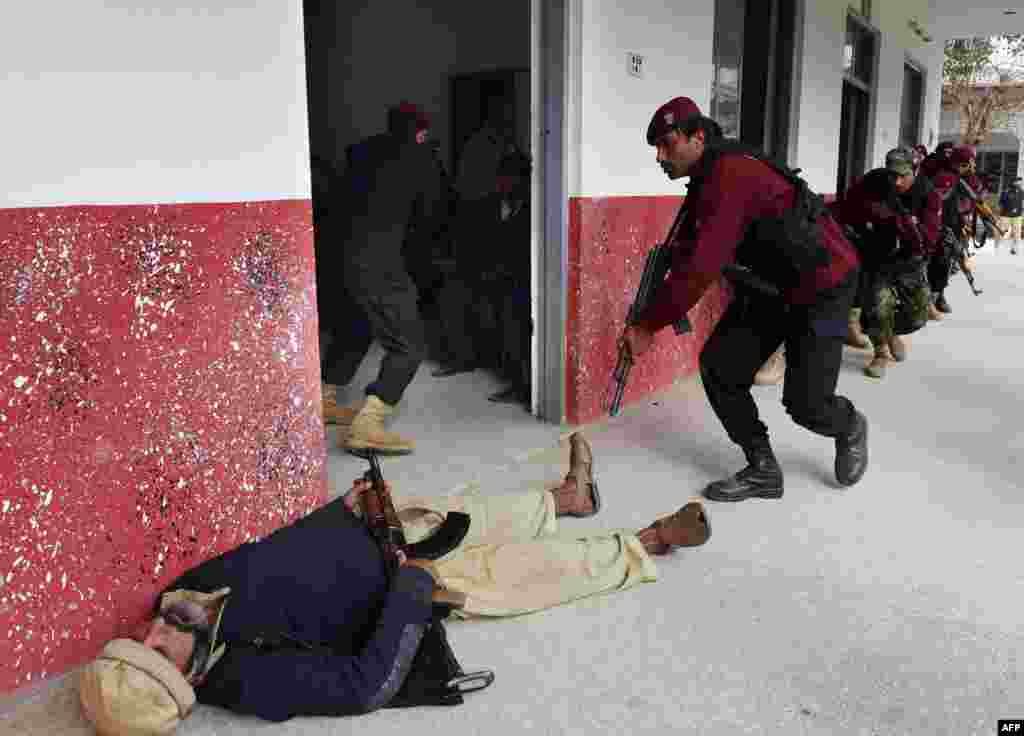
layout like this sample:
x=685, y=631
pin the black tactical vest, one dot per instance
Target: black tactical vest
x=778, y=250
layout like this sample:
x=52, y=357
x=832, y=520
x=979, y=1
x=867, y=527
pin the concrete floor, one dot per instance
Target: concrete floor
x=893, y=607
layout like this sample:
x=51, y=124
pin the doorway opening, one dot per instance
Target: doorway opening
x=459, y=75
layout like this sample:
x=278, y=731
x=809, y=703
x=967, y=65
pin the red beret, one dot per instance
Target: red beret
x=670, y=116
x=422, y=119
x=963, y=154
x=944, y=180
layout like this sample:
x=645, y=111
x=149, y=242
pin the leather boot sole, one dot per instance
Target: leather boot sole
x=393, y=445
x=748, y=483
x=692, y=520
x=692, y=523
x=772, y=492
x=353, y=445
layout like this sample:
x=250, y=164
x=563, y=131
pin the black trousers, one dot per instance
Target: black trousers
x=517, y=334
x=384, y=307
x=751, y=330
x=863, y=295
x=938, y=272
x=350, y=333
x=467, y=310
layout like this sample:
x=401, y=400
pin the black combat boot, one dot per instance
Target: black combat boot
x=852, y=452
x=762, y=478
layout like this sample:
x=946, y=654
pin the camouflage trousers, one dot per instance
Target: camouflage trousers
x=896, y=301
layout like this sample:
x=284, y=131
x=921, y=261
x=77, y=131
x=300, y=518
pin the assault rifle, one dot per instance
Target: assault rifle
x=436, y=677
x=957, y=248
x=656, y=266
x=988, y=219
x=981, y=212
x=386, y=528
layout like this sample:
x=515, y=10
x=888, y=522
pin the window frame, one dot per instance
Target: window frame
x=920, y=69
x=864, y=31
x=713, y=111
x=862, y=9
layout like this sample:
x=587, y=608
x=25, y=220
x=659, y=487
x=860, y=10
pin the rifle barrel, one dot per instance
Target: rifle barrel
x=655, y=268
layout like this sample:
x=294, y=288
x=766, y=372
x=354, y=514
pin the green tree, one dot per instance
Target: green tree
x=984, y=81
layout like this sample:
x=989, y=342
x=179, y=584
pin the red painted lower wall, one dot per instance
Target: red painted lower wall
x=608, y=242
x=159, y=404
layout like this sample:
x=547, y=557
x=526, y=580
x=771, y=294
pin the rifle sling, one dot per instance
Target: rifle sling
x=445, y=538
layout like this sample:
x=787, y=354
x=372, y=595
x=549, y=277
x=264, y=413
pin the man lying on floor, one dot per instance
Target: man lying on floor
x=317, y=590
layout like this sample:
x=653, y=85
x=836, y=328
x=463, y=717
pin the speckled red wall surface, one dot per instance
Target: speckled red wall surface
x=608, y=242
x=159, y=404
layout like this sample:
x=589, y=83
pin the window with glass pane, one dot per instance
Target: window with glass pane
x=859, y=52
x=913, y=99
x=1010, y=169
x=862, y=8
x=728, y=65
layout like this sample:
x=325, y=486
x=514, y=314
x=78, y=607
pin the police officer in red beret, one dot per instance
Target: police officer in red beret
x=734, y=205
x=938, y=160
x=956, y=214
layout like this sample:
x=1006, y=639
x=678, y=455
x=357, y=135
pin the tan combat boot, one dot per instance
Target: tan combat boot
x=898, y=348
x=934, y=314
x=876, y=368
x=334, y=414
x=773, y=370
x=341, y=417
x=367, y=431
x=855, y=337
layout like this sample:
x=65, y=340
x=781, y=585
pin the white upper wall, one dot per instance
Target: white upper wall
x=613, y=108
x=610, y=110
x=821, y=85
x=958, y=19
x=899, y=45
x=152, y=101
x=932, y=56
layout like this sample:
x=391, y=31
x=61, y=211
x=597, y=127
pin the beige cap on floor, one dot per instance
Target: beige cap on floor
x=132, y=690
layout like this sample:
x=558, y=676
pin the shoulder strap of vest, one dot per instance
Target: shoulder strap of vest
x=728, y=146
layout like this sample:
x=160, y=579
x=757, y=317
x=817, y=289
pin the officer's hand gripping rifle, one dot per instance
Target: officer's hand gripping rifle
x=446, y=681
x=982, y=212
x=382, y=519
x=657, y=265
x=988, y=219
